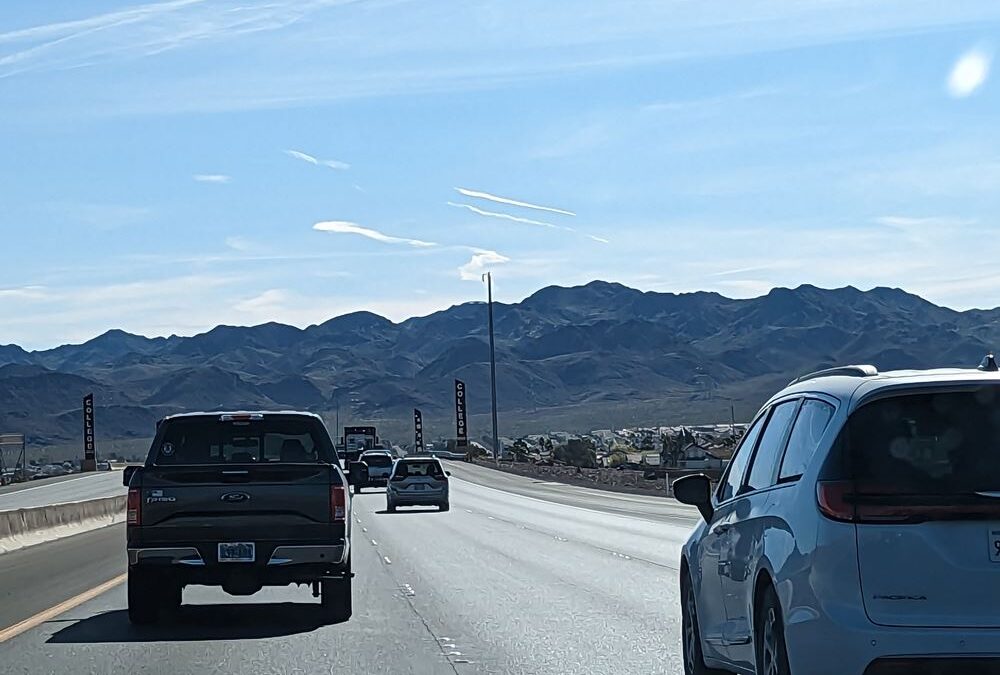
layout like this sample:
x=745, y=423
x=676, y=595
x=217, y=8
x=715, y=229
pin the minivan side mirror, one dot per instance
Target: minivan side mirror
x=447, y=473
x=128, y=473
x=695, y=490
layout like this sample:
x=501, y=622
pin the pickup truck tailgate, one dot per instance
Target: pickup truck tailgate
x=212, y=503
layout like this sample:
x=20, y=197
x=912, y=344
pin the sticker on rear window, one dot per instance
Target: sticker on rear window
x=167, y=449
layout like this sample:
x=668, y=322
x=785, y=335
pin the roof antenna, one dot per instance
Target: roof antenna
x=989, y=364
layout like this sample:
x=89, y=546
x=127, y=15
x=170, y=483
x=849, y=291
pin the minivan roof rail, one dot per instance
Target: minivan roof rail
x=847, y=371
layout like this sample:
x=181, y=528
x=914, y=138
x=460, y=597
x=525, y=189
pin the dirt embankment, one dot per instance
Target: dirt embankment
x=632, y=482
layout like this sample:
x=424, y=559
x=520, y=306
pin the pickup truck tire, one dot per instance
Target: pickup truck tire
x=336, y=599
x=444, y=507
x=390, y=507
x=143, y=608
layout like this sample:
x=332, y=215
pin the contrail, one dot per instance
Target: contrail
x=332, y=163
x=527, y=221
x=505, y=216
x=346, y=227
x=512, y=202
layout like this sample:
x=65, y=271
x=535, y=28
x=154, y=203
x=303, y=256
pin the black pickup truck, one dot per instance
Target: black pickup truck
x=242, y=501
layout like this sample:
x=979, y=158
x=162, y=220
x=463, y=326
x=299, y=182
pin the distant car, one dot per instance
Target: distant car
x=855, y=530
x=379, y=463
x=418, y=481
x=104, y=466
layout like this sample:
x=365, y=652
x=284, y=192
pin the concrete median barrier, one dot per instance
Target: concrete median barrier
x=26, y=527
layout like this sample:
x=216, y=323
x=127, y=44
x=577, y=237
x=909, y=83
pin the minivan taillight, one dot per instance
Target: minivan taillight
x=338, y=503
x=133, y=508
x=873, y=505
x=835, y=499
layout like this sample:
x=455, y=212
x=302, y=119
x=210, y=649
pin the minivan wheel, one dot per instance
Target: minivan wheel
x=694, y=659
x=769, y=637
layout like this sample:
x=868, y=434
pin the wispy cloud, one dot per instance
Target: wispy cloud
x=144, y=30
x=238, y=243
x=711, y=101
x=100, y=216
x=527, y=221
x=267, y=302
x=475, y=194
x=909, y=222
x=505, y=216
x=969, y=72
x=482, y=260
x=346, y=227
x=212, y=178
x=332, y=163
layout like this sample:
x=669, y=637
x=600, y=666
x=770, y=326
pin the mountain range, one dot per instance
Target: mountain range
x=571, y=358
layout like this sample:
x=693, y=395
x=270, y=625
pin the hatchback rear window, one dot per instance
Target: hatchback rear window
x=268, y=440
x=413, y=469
x=944, y=443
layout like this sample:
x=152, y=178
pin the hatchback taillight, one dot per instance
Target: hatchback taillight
x=133, y=509
x=338, y=503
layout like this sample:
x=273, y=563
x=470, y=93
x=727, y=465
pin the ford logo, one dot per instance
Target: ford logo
x=235, y=497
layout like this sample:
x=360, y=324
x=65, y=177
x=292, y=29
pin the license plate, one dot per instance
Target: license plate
x=237, y=552
x=995, y=545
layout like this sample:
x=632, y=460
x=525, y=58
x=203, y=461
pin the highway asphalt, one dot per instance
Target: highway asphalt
x=60, y=489
x=519, y=577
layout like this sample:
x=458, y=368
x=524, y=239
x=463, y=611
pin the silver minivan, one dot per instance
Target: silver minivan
x=856, y=531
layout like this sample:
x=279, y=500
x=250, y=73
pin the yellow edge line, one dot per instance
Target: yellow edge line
x=65, y=606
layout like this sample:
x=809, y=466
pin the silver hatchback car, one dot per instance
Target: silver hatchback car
x=856, y=531
x=417, y=481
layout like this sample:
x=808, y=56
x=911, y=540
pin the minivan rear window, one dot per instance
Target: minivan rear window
x=942, y=443
x=269, y=440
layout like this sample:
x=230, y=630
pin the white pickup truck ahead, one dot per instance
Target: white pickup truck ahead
x=379, y=464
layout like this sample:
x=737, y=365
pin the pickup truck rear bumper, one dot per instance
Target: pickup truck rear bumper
x=291, y=564
x=281, y=556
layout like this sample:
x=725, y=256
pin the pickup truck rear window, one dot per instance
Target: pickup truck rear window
x=285, y=440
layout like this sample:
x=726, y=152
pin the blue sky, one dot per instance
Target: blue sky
x=175, y=165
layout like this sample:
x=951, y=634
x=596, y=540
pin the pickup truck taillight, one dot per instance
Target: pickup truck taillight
x=133, y=509
x=338, y=503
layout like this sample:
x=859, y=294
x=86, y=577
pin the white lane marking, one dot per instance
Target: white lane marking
x=387, y=561
x=374, y=543
x=364, y=529
x=65, y=606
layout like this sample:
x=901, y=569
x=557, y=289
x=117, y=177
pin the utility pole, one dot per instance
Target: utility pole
x=493, y=366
